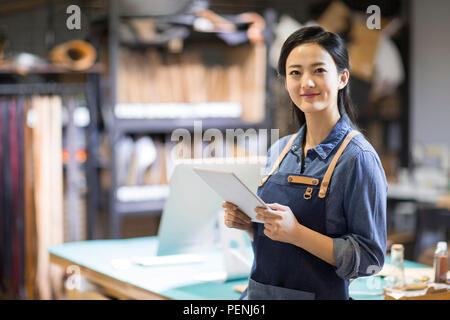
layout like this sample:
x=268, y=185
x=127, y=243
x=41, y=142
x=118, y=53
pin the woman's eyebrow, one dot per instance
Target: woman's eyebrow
x=315, y=64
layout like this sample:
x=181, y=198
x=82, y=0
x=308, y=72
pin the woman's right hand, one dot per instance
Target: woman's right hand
x=235, y=218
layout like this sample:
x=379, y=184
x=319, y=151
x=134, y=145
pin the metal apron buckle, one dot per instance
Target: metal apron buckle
x=308, y=193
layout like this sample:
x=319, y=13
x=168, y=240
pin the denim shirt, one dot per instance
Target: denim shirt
x=356, y=200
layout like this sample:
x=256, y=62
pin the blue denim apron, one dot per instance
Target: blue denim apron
x=284, y=271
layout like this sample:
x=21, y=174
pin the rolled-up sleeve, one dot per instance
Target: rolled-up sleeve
x=361, y=251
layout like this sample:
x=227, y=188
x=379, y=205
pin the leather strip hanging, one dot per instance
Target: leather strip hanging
x=48, y=193
x=30, y=219
x=7, y=257
x=56, y=176
x=14, y=171
x=20, y=188
x=43, y=230
x=2, y=211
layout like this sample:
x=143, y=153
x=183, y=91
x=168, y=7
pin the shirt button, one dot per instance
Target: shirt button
x=294, y=147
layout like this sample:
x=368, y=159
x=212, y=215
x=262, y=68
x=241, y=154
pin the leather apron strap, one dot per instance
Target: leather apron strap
x=328, y=173
x=279, y=159
x=327, y=177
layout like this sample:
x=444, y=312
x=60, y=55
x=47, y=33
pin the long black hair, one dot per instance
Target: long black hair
x=338, y=51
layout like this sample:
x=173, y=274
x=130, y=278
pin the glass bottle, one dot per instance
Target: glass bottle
x=396, y=279
x=440, y=263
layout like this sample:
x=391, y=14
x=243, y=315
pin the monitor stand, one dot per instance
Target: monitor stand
x=237, y=254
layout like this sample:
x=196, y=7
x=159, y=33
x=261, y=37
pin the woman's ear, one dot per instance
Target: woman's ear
x=343, y=79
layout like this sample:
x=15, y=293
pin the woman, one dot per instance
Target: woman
x=326, y=190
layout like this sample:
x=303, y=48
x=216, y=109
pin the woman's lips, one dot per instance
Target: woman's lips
x=309, y=95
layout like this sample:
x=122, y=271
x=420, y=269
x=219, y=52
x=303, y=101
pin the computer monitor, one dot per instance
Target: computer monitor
x=189, y=222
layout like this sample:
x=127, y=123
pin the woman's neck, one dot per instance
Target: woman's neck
x=319, y=126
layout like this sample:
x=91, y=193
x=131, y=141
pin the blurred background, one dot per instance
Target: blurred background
x=91, y=91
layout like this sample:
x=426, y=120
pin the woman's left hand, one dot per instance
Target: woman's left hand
x=279, y=222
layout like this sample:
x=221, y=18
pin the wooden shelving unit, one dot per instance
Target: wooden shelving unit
x=117, y=128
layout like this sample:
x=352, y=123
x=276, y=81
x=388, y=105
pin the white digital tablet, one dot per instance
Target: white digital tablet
x=230, y=188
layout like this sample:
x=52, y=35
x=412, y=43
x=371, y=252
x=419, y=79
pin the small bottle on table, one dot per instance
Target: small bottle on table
x=396, y=279
x=440, y=263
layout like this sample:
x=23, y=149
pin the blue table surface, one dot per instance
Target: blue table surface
x=179, y=282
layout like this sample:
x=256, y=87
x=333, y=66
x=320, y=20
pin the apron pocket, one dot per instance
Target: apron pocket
x=259, y=291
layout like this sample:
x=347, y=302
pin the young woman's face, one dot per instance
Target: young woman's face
x=312, y=79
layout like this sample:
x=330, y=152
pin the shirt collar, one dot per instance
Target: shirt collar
x=324, y=148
